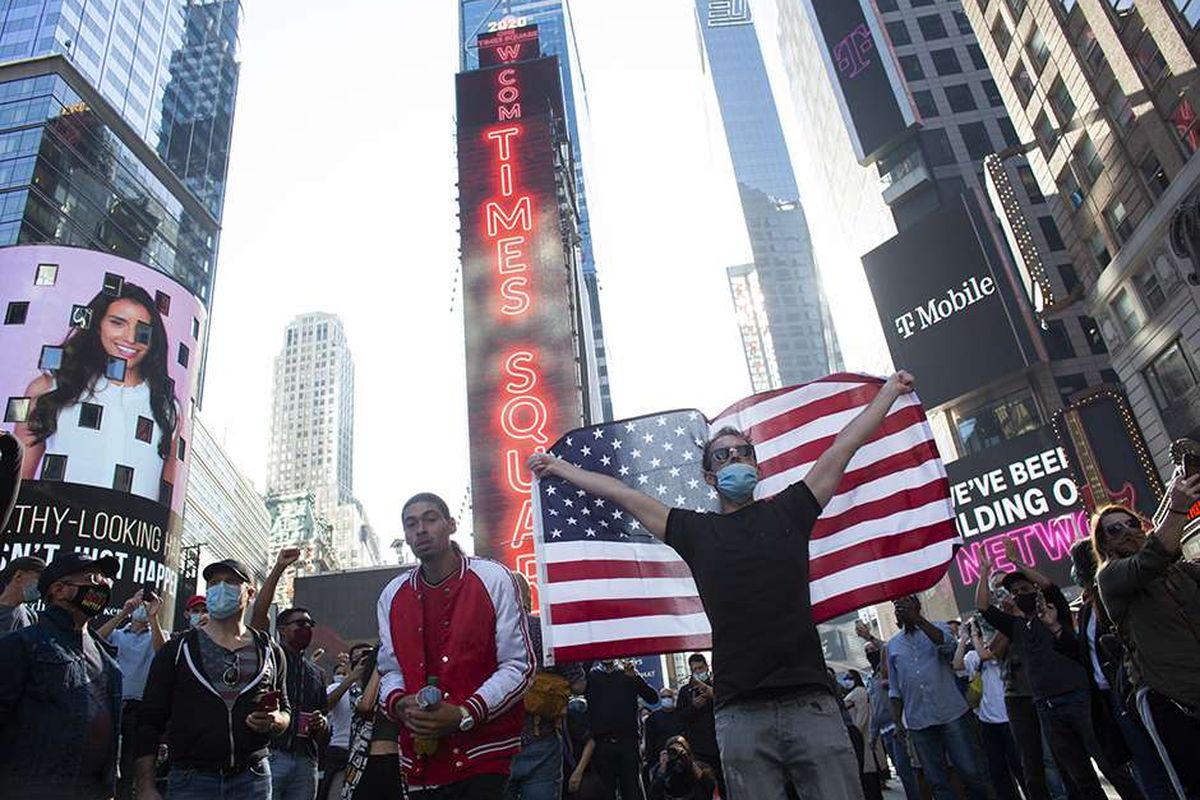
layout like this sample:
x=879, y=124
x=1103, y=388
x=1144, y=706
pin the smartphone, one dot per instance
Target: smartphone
x=269, y=701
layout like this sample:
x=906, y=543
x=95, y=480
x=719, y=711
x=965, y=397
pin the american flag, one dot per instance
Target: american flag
x=609, y=589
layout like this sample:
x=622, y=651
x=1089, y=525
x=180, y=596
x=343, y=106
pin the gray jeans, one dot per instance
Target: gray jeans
x=799, y=738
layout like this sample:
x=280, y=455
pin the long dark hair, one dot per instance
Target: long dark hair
x=84, y=360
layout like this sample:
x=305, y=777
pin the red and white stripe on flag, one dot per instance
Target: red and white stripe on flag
x=889, y=530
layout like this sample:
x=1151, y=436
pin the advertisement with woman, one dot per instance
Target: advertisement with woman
x=97, y=381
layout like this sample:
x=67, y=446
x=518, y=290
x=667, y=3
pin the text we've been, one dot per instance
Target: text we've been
x=521, y=413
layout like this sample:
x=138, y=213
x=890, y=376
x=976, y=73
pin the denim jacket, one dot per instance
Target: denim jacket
x=44, y=704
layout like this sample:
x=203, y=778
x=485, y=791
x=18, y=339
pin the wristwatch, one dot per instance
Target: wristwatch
x=467, y=722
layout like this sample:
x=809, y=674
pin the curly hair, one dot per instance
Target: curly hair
x=84, y=361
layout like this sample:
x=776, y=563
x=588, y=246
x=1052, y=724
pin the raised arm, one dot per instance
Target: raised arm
x=260, y=614
x=648, y=511
x=1184, y=492
x=1038, y=579
x=107, y=629
x=1125, y=576
x=826, y=474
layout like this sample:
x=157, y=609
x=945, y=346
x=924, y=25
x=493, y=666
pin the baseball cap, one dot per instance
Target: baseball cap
x=196, y=600
x=72, y=563
x=1011, y=577
x=231, y=564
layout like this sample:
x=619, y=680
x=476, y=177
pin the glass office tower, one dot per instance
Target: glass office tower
x=557, y=38
x=115, y=122
x=794, y=315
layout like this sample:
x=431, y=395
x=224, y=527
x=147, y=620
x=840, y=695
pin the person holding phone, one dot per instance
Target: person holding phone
x=220, y=689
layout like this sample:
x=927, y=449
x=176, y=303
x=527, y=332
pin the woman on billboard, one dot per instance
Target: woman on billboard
x=103, y=411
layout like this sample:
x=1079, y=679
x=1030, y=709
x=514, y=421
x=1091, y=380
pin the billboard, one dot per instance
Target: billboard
x=523, y=374
x=97, y=381
x=507, y=45
x=944, y=316
x=872, y=97
x=1020, y=491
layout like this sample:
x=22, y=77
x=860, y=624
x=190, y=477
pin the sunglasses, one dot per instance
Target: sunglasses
x=722, y=454
x=1120, y=527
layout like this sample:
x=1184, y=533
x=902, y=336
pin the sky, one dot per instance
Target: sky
x=341, y=198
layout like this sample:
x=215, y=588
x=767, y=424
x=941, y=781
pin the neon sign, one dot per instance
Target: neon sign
x=522, y=377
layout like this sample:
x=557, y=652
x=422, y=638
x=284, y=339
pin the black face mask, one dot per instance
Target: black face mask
x=1027, y=603
x=91, y=599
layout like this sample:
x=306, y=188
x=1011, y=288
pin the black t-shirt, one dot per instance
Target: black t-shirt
x=751, y=568
x=1052, y=663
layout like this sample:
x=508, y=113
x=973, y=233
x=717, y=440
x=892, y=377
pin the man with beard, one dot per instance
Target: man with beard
x=60, y=691
x=776, y=717
x=927, y=705
x=294, y=752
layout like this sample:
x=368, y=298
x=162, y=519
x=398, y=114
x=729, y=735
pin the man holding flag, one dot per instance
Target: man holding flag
x=777, y=720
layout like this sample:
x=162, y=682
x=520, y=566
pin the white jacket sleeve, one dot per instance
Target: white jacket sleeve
x=515, y=662
x=391, y=679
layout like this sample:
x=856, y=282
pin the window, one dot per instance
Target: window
x=54, y=467
x=1110, y=376
x=1099, y=249
x=1069, y=386
x=887, y=5
x=993, y=93
x=1001, y=35
x=47, y=275
x=945, y=62
x=1008, y=132
x=937, y=147
x=975, y=137
x=1128, y=314
x=898, y=32
x=123, y=478
x=1023, y=83
x=1061, y=102
x=1070, y=186
x=1029, y=181
x=962, y=23
x=932, y=27
x=1190, y=11
x=16, y=312
x=1153, y=174
x=1017, y=7
x=1091, y=332
x=1039, y=51
x=920, y=3
x=1151, y=289
x=1069, y=278
x=17, y=409
x=997, y=422
x=911, y=67
x=1046, y=133
x=1058, y=343
x=1170, y=376
x=925, y=103
x=1089, y=160
x=1121, y=7
x=1183, y=120
x=1119, y=107
x=960, y=98
x=1050, y=231
x=1150, y=59
x=976, y=55
x=1118, y=221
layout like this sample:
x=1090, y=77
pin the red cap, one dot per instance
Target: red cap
x=196, y=600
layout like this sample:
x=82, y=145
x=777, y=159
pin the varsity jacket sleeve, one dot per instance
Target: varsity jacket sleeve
x=391, y=680
x=515, y=661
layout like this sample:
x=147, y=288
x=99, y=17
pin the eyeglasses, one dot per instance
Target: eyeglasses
x=722, y=454
x=232, y=671
x=1120, y=527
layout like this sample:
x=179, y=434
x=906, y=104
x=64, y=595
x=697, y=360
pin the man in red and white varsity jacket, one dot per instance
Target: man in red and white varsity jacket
x=458, y=619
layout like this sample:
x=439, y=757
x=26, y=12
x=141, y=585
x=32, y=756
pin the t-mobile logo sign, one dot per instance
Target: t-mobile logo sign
x=722, y=13
x=853, y=53
x=928, y=314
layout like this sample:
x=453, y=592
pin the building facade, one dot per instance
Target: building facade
x=312, y=431
x=794, y=316
x=1102, y=97
x=296, y=521
x=557, y=38
x=224, y=516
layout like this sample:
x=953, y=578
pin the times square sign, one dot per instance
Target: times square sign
x=523, y=378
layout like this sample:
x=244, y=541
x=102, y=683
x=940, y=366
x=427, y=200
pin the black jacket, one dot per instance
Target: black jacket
x=204, y=733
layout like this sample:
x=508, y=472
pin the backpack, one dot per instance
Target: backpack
x=547, y=698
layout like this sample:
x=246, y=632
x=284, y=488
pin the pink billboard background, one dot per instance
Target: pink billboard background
x=47, y=320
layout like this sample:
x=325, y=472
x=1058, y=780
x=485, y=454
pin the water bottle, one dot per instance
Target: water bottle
x=428, y=698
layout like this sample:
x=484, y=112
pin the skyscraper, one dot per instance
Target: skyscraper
x=557, y=37
x=795, y=316
x=312, y=430
x=118, y=127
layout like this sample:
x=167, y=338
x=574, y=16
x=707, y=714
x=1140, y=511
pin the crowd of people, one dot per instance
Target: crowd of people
x=454, y=701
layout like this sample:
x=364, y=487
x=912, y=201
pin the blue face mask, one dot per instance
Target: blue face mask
x=737, y=481
x=31, y=593
x=140, y=614
x=194, y=618
x=223, y=600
